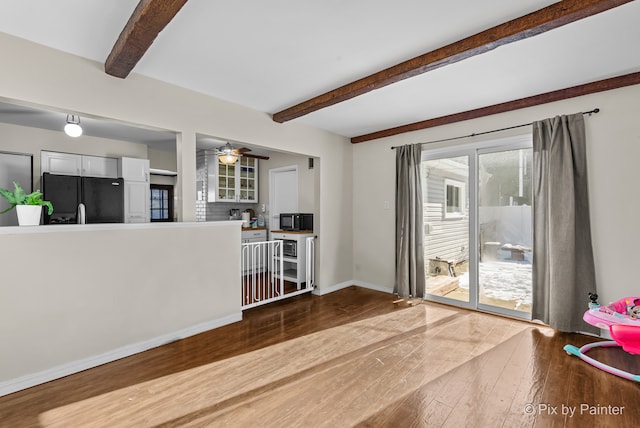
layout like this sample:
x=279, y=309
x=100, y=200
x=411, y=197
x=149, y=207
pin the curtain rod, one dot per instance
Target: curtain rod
x=595, y=110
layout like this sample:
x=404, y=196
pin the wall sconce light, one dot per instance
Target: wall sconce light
x=73, y=128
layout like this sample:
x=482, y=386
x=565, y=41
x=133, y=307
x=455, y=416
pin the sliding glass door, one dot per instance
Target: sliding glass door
x=446, y=226
x=478, y=226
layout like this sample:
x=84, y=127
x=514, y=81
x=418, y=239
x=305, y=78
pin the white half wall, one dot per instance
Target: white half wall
x=76, y=295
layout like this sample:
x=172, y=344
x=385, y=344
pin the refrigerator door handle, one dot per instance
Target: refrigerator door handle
x=82, y=217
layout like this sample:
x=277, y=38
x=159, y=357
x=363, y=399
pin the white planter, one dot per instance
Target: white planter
x=29, y=215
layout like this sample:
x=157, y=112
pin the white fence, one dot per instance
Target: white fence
x=264, y=275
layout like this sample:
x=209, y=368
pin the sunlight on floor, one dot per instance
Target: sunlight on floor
x=368, y=364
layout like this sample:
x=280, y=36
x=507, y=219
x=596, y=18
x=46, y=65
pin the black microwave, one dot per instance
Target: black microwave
x=296, y=221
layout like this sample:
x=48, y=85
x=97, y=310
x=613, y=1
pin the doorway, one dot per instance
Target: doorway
x=478, y=226
x=283, y=193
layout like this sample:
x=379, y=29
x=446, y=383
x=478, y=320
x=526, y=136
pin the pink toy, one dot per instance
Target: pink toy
x=629, y=306
x=622, y=318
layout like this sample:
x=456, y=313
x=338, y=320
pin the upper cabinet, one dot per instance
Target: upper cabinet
x=73, y=164
x=60, y=163
x=134, y=169
x=96, y=166
x=233, y=183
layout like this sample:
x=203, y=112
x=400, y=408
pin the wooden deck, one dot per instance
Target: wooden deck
x=350, y=358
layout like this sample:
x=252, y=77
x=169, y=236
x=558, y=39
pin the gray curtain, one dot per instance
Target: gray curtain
x=410, y=279
x=563, y=268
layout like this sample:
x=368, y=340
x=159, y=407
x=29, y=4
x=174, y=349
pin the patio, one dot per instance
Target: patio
x=503, y=284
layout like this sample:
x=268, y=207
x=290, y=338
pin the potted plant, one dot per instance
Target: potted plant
x=28, y=207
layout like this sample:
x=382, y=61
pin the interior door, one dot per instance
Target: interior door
x=283, y=193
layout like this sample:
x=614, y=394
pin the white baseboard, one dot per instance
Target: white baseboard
x=374, y=287
x=27, y=381
x=326, y=290
x=340, y=286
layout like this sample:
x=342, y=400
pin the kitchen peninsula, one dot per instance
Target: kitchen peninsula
x=84, y=295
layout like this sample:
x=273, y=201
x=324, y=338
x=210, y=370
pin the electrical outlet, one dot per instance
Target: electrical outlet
x=387, y=205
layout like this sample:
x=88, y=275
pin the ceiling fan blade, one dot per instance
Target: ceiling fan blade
x=242, y=150
x=247, y=155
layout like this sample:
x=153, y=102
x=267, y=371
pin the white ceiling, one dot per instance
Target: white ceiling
x=272, y=55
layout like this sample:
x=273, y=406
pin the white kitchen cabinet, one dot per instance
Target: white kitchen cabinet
x=134, y=169
x=137, y=198
x=97, y=166
x=60, y=163
x=233, y=183
x=294, y=266
x=136, y=202
x=75, y=164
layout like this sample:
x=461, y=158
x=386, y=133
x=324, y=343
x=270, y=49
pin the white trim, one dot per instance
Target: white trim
x=460, y=202
x=374, y=287
x=321, y=291
x=29, y=380
x=342, y=285
x=156, y=171
x=62, y=228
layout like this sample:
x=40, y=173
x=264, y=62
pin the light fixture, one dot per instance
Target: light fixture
x=73, y=128
x=227, y=154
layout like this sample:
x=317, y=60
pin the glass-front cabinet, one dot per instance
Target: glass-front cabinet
x=233, y=183
x=248, y=168
x=226, y=190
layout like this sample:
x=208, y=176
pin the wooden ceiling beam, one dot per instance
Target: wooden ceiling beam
x=147, y=20
x=548, y=18
x=548, y=97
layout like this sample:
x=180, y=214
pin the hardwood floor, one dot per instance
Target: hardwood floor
x=350, y=358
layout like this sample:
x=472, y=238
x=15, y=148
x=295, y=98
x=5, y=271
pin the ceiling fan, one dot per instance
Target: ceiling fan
x=227, y=154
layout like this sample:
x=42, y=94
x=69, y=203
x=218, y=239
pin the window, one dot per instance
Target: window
x=161, y=202
x=454, y=199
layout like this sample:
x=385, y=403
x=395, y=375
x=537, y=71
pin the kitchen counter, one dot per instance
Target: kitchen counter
x=253, y=228
x=68, y=228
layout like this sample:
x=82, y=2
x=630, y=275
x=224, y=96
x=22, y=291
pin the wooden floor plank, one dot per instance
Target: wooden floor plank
x=350, y=358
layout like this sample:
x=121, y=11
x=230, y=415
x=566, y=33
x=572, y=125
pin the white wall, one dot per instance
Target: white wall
x=76, y=296
x=38, y=75
x=613, y=154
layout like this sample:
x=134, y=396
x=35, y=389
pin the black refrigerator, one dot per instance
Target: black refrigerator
x=103, y=198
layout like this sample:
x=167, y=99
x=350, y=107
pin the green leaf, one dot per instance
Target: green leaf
x=19, y=194
x=9, y=196
x=18, y=197
x=49, y=206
